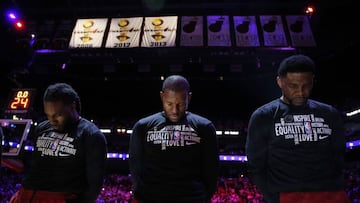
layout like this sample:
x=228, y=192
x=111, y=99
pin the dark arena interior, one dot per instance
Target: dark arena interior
x=118, y=85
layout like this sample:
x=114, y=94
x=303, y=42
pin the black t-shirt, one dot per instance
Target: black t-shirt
x=174, y=161
x=73, y=161
x=294, y=149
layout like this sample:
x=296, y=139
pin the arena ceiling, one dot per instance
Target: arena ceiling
x=332, y=24
x=59, y=8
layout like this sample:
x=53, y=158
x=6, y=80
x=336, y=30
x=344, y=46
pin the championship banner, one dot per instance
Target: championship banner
x=246, y=32
x=192, y=31
x=300, y=31
x=273, y=31
x=88, y=33
x=218, y=31
x=124, y=32
x=159, y=31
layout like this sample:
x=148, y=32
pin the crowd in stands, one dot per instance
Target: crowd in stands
x=236, y=189
x=117, y=189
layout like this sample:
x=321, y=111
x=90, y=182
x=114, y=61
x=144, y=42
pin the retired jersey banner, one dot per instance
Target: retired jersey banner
x=273, y=30
x=218, y=31
x=88, y=33
x=159, y=31
x=246, y=32
x=192, y=31
x=124, y=32
x=300, y=31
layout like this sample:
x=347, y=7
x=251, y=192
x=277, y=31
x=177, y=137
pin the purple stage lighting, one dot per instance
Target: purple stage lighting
x=11, y=15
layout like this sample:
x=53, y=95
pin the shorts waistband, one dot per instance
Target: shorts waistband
x=47, y=194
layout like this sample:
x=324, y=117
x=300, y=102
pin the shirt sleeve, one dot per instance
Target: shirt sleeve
x=210, y=159
x=257, y=150
x=338, y=140
x=135, y=155
x=96, y=155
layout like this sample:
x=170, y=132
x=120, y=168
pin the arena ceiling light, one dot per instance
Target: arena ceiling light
x=13, y=18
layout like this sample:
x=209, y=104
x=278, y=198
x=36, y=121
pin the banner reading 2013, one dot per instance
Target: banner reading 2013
x=159, y=31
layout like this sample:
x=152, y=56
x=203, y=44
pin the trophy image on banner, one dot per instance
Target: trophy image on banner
x=123, y=23
x=157, y=27
x=159, y=31
x=87, y=27
x=124, y=32
x=88, y=33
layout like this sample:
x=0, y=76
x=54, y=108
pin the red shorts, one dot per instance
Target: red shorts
x=39, y=196
x=314, y=197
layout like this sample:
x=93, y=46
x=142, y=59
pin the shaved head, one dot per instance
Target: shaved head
x=176, y=83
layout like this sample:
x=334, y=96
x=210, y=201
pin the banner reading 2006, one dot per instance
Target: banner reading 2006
x=88, y=33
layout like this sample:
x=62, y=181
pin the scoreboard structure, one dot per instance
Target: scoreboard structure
x=20, y=101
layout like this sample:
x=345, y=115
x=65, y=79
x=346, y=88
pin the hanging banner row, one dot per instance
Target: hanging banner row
x=249, y=31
